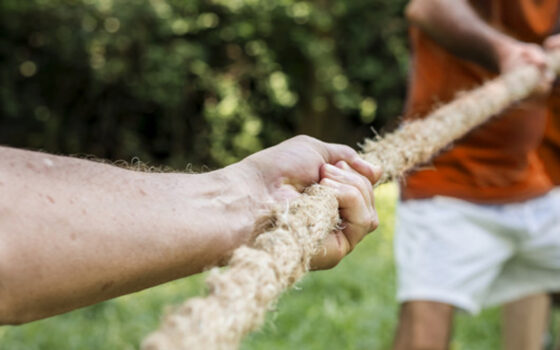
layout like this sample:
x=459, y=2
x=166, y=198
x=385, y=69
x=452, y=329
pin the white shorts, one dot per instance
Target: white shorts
x=471, y=255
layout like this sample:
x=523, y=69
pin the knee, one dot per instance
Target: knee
x=424, y=326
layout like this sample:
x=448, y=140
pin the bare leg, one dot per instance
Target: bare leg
x=555, y=303
x=424, y=325
x=525, y=322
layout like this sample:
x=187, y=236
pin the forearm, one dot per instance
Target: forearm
x=455, y=25
x=75, y=232
x=556, y=29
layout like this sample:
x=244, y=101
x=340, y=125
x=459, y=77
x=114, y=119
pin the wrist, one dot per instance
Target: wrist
x=247, y=183
x=204, y=216
x=237, y=197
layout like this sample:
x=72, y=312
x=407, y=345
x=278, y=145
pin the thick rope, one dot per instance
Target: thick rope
x=240, y=295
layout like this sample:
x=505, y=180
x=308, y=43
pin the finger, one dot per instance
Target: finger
x=349, y=178
x=366, y=186
x=536, y=56
x=330, y=152
x=358, y=221
x=548, y=80
x=336, y=152
x=372, y=172
x=545, y=85
x=333, y=249
x=352, y=205
x=354, y=234
x=552, y=43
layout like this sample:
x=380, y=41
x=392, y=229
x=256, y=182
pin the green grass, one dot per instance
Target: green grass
x=350, y=307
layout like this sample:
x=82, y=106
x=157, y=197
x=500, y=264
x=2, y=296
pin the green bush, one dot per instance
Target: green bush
x=205, y=82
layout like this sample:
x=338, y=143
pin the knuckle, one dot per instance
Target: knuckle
x=367, y=184
x=370, y=221
x=354, y=194
x=334, y=262
x=341, y=164
x=305, y=138
x=342, y=251
x=349, y=150
x=374, y=223
x=356, y=180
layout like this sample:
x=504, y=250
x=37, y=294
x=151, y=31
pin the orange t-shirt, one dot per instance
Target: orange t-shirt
x=549, y=151
x=497, y=162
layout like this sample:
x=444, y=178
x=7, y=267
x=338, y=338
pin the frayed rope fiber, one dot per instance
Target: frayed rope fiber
x=240, y=295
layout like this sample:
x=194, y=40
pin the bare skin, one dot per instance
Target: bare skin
x=454, y=25
x=75, y=232
x=424, y=325
x=525, y=322
x=552, y=42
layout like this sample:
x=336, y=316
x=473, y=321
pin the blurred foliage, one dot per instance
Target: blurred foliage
x=205, y=82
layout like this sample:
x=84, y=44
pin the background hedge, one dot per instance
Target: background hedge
x=202, y=82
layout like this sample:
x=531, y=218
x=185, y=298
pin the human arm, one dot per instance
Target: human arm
x=75, y=232
x=454, y=25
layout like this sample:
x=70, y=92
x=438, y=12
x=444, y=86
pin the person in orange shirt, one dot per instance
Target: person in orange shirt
x=481, y=226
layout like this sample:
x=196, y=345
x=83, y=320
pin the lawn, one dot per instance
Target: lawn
x=350, y=307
